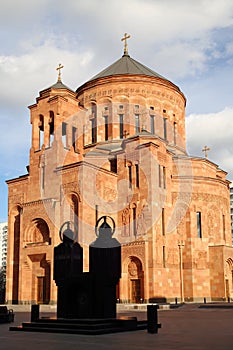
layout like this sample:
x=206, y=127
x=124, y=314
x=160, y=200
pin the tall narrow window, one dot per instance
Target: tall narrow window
x=113, y=165
x=93, y=130
x=130, y=175
x=42, y=176
x=137, y=123
x=137, y=174
x=159, y=175
x=93, y=124
x=164, y=177
x=224, y=227
x=199, y=228
x=163, y=222
x=74, y=216
x=164, y=256
x=96, y=212
x=152, y=124
x=134, y=221
x=41, y=130
x=64, y=134
x=174, y=132
x=152, y=120
x=51, y=128
x=106, y=128
x=74, y=130
x=165, y=128
x=121, y=124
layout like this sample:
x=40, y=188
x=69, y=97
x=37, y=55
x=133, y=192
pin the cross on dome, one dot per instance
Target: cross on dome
x=126, y=36
x=205, y=150
x=60, y=66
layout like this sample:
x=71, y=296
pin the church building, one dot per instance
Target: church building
x=117, y=147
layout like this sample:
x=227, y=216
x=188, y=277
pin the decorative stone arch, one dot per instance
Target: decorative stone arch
x=133, y=274
x=74, y=206
x=121, y=100
x=38, y=232
x=138, y=99
x=14, y=226
x=70, y=208
x=105, y=100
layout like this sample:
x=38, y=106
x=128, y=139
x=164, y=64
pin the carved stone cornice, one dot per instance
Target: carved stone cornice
x=39, y=202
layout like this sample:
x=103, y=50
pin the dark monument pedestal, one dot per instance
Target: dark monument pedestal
x=86, y=302
x=82, y=326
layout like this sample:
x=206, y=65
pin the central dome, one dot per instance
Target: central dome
x=126, y=65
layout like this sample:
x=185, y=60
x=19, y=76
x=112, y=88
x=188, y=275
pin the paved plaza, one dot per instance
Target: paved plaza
x=185, y=328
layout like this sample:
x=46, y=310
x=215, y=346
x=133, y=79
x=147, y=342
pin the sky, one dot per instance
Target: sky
x=188, y=42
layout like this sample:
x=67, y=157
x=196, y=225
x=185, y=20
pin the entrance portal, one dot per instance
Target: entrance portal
x=41, y=290
x=135, y=280
x=136, y=290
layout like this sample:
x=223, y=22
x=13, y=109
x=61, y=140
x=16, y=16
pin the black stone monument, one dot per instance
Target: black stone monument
x=68, y=267
x=87, y=300
x=105, y=269
x=87, y=294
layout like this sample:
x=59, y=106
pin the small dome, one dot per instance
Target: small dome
x=60, y=85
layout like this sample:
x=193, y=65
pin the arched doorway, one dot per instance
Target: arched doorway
x=37, y=266
x=135, y=280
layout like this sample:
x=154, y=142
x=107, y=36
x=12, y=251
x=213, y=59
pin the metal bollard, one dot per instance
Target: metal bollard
x=204, y=300
x=35, y=311
x=152, y=319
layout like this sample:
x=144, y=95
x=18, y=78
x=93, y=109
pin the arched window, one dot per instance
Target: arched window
x=38, y=232
x=41, y=130
x=74, y=213
x=51, y=127
x=152, y=120
x=93, y=123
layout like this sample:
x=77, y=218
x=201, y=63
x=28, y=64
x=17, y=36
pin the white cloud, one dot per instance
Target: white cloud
x=189, y=41
x=22, y=76
x=214, y=130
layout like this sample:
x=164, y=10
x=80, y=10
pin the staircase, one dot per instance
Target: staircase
x=82, y=326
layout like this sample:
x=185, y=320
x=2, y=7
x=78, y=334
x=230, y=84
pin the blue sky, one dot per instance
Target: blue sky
x=188, y=42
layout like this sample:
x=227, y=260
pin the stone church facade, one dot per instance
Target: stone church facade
x=117, y=147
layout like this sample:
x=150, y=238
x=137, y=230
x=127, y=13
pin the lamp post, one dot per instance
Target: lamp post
x=181, y=245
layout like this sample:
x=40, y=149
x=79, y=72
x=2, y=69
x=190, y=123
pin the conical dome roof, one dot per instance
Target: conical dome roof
x=59, y=85
x=127, y=65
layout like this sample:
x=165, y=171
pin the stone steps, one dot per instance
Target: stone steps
x=82, y=326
